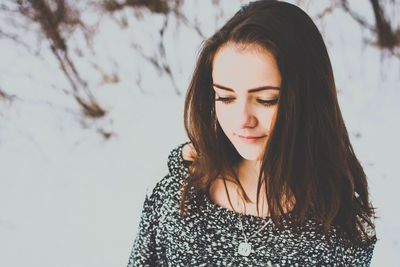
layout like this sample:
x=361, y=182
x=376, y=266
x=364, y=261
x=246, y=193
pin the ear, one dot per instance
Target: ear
x=188, y=152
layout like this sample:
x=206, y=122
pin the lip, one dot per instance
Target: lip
x=251, y=139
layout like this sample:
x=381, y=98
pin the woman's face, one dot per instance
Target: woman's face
x=246, y=83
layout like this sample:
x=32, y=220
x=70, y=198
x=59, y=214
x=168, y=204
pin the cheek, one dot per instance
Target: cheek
x=274, y=114
x=227, y=120
x=266, y=117
x=225, y=116
x=270, y=119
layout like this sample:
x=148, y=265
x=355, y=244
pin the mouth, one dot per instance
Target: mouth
x=251, y=139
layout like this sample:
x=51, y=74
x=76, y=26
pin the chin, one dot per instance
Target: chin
x=248, y=152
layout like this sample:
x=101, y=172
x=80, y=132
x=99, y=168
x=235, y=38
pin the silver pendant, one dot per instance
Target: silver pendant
x=244, y=249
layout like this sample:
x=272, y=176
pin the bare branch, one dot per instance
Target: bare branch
x=155, y=6
x=14, y=38
x=40, y=12
x=186, y=21
x=325, y=12
x=166, y=66
x=356, y=16
x=5, y=96
x=51, y=23
x=90, y=108
x=387, y=38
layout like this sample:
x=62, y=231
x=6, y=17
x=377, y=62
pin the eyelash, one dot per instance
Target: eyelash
x=267, y=103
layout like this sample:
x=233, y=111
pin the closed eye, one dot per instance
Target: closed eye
x=267, y=103
x=225, y=100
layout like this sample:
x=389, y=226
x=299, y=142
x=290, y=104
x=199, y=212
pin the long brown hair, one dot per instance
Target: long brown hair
x=308, y=155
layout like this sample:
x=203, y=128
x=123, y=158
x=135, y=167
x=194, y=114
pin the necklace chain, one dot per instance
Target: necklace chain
x=245, y=247
x=242, y=228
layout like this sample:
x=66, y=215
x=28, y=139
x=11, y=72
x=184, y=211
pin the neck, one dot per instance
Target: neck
x=248, y=171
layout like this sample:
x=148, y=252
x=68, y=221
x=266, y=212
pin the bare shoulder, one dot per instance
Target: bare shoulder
x=188, y=152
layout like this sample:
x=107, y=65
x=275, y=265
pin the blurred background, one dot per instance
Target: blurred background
x=91, y=103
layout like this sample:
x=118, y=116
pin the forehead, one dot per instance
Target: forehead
x=241, y=67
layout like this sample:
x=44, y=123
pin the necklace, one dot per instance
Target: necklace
x=245, y=247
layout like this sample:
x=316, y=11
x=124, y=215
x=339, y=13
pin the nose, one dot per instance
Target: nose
x=246, y=116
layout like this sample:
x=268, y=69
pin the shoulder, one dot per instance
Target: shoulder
x=177, y=158
x=360, y=254
x=170, y=184
x=188, y=152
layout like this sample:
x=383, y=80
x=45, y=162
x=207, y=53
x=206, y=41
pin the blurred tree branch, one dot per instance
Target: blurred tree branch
x=58, y=19
x=5, y=96
x=155, y=6
x=164, y=7
x=387, y=37
x=14, y=37
x=51, y=22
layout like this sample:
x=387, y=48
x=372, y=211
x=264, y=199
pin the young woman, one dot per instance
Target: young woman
x=269, y=177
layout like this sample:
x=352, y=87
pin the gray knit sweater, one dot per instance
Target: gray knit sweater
x=211, y=234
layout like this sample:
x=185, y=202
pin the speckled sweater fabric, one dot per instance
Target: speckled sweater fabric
x=210, y=235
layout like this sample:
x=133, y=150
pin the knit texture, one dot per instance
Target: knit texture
x=211, y=234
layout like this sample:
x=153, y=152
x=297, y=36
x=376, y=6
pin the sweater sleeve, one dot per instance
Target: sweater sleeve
x=356, y=256
x=146, y=250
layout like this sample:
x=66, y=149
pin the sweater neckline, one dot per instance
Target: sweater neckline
x=222, y=212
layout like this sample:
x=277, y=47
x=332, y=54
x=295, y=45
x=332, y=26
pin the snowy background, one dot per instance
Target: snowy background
x=72, y=186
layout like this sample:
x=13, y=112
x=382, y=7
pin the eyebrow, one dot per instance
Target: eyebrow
x=253, y=90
